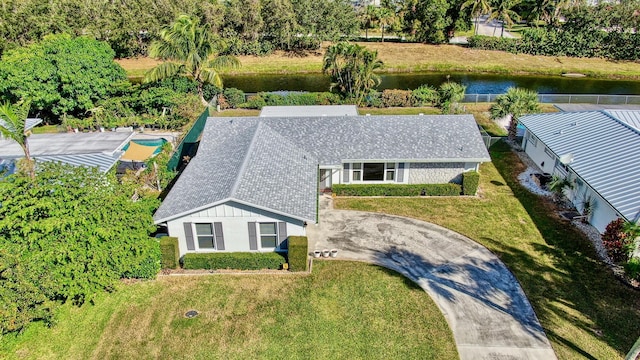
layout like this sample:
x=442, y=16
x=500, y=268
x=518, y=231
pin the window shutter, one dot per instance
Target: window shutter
x=217, y=227
x=188, y=233
x=345, y=173
x=253, y=239
x=282, y=235
x=400, y=174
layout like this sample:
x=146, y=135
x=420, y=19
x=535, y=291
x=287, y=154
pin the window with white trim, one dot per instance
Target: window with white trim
x=549, y=152
x=268, y=235
x=204, y=233
x=357, y=172
x=390, y=172
x=533, y=140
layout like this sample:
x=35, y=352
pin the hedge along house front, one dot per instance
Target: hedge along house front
x=254, y=181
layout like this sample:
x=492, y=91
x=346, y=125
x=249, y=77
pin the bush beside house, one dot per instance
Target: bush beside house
x=170, y=253
x=298, y=253
x=233, y=260
x=448, y=189
x=470, y=182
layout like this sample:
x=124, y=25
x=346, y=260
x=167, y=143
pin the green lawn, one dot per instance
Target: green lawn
x=585, y=311
x=344, y=310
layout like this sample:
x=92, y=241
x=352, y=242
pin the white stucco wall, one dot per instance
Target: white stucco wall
x=602, y=213
x=537, y=154
x=234, y=218
x=438, y=173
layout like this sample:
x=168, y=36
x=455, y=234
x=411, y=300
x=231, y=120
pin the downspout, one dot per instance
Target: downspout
x=318, y=194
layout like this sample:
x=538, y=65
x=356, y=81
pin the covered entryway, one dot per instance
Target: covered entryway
x=325, y=180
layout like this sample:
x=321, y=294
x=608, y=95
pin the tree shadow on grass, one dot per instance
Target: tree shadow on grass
x=578, y=281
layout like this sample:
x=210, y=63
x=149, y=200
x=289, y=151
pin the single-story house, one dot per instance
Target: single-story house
x=254, y=181
x=101, y=149
x=598, y=151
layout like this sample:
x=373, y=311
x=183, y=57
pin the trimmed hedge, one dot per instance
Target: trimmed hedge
x=396, y=98
x=233, y=260
x=170, y=253
x=470, y=182
x=298, y=252
x=448, y=189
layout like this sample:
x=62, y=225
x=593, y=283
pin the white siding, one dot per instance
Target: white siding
x=602, y=213
x=437, y=173
x=234, y=218
x=536, y=151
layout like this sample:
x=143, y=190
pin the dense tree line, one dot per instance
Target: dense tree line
x=248, y=26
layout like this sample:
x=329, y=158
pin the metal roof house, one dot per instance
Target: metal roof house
x=599, y=151
x=101, y=149
x=254, y=181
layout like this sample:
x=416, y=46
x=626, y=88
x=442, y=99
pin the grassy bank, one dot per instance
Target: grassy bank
x=400, y=57
x=585, y=311
x=343, y=310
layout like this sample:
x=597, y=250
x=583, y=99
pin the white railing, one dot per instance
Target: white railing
x=600, y=99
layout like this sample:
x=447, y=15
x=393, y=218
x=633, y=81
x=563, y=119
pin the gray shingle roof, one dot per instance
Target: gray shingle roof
x=272, y=162
x=311, y=110
x=606, y=153
x=249, y=163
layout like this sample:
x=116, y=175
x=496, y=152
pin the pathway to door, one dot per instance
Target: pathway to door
x=482, y=301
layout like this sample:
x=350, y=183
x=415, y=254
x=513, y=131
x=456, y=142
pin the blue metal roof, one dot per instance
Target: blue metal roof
x=605, y=151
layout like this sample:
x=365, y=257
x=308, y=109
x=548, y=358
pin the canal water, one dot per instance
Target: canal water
x=476, y=83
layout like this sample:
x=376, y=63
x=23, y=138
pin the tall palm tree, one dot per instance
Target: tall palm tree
x=503, y=12
x=515, y=103
x=188, y=48
x=385, y=18
x=351, y=68
x=13, y=126
x=478, y=7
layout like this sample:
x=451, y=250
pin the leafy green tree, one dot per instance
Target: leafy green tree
x=351, y=68
x=280, y=26
x=427, y=20
x=60, y=75
x=478, y=7
x=386, y=18
x=187, y=46
x=13, y=119
x=450, y=95
x=326, y=19
x=78, y=228
x=504, y=12
x=515, y=103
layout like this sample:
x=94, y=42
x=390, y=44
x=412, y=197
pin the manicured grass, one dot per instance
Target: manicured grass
x=344, y=310
x=585, y=311
x=407, y=57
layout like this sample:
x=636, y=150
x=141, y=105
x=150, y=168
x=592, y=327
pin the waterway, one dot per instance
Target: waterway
x=476, y=83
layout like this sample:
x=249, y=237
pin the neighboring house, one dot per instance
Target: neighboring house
x=254, y=181
x=599, y=151
x=101, y=149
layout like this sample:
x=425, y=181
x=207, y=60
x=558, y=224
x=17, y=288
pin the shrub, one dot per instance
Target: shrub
x=633, y=268
x=145, y=264
x=448, y=189
x=254, y=102
x=396, y=98
x=234, y=97
x=233, y=260
x=298, y=252
x=470, y=182
x=617, y=241
x=425, y=95
x=170, y=252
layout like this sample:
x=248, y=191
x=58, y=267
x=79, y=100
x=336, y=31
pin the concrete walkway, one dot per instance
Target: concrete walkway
x=481, y=300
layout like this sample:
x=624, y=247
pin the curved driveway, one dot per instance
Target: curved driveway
x=481, y=300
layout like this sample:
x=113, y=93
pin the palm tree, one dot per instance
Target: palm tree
x=478, y=7
x=504, y=13
x=385, y=18
x=515, y=103
x=352, y=69
x=188, y=46
x=13, y=122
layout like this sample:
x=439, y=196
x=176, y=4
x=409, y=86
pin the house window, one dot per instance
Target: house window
x=390, y=172
x=549, y=152
x=533, y=140
x=357, y=172
x=204, y=232
x=373, y=172
x=268, y=235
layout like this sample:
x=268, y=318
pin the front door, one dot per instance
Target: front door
x=325, y=179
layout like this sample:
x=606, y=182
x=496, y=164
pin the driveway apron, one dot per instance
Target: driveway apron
x=481, y=300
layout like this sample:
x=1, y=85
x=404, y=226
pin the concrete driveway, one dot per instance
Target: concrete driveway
x=481, y=300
